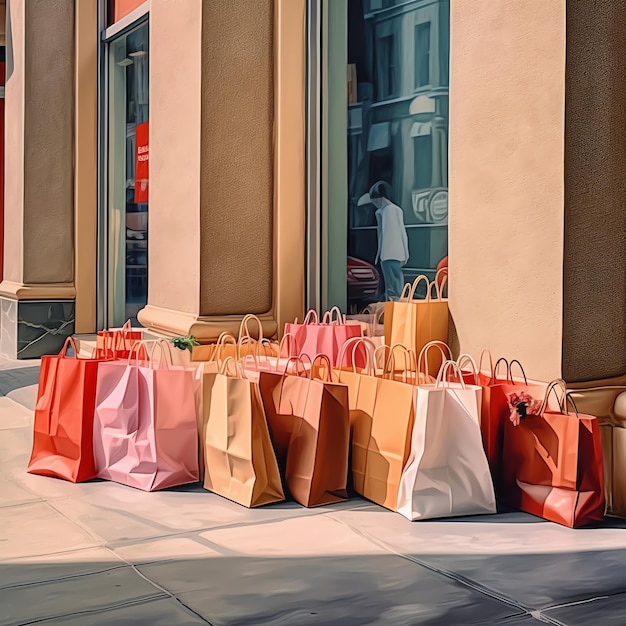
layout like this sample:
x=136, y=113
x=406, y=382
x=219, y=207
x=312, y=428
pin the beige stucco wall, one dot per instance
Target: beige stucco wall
x=175, y=129
x=39, y=144
x=507, y=111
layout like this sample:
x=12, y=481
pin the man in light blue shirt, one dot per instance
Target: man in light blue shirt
x=393, y=247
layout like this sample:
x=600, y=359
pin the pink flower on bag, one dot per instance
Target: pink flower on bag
x=522, y=404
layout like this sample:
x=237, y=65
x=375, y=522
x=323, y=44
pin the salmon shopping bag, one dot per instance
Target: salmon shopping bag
x=381, y=420
x=264, y=360
x=326, y=337
x=413, y=323
x=447, y=473
x=63, y=430
x=239, y=460
x=145, y=432
x=552, y=464
x=309, y=424
x=118, y=341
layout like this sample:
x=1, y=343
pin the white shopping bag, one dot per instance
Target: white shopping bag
x=447, y=473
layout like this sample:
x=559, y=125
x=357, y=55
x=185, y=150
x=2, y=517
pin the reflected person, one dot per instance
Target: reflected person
x=393, y=246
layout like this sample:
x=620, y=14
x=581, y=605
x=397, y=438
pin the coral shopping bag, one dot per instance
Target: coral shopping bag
x=239, y=461
x=447, y=473
x=552, y=464
x=309, y=424
x=327, y=337
x=381, y=418
x=413, y=323
x=117, y=341
x=145, y=432
x=62, y=437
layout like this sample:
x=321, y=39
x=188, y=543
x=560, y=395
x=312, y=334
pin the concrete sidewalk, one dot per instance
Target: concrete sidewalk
x=100, y=553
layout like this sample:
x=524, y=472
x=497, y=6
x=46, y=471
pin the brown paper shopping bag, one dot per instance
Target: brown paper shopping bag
x=239, y=460
x=413, y=323
x=309, y=425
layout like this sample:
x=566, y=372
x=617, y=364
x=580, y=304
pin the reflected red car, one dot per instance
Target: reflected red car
x=363, y=281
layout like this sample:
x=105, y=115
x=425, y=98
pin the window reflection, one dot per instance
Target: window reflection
x=398, y=55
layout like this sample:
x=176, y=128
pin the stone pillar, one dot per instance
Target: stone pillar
x=37, y=293
x=226, y=227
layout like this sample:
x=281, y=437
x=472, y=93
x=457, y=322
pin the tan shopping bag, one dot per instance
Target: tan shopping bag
x=229, y=346
x=382, y=411
x=309, y=424
x=239, y=460
x=413, y=323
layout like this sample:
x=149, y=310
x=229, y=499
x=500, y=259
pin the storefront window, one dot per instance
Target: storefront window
x=128, y=176
x=395, y=155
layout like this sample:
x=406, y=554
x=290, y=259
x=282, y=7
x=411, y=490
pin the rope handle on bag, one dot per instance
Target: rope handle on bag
x=510, y=375
x=354, y=342
x=244, y=328
x=423, y=355
x=69, y=341
x=310, y=318
x=562, y=401
x=134, y=350
x=223, y=367
x=167, y=350
x=480, y=361
x=413, y=288
x=327, y=318
x=321, y=357
x=225, y=338
x=442, y=376
x=392, y=358
x=296, y=359
x=467, y=358
x=376, y=315
x=494, y=375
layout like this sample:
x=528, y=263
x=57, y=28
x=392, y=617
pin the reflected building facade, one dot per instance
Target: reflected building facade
x=398, y=77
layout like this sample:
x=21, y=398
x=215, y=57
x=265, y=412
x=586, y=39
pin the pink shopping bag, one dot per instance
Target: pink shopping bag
x=145, y=422
x=327, y=337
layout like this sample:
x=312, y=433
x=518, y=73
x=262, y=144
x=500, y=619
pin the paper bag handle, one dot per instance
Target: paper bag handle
x=328, y=316
x=310, y=318
x=466, y=358
x=423, y=355
x=416, y=282
x=244, y=328
x=443, y=372
x=354, y=342
x=329, y=367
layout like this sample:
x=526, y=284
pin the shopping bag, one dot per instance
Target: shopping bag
x=381, y=418
x=63, y=428
x=227, y=345
x=145, y=432
x=118, y=341
x=263, y=359
x=326, y=337
x=309, y=425
x=238, y=458
x=447, y=473
x=413, y=323
x=498, y=392
x=552, y=463
x=370, y=320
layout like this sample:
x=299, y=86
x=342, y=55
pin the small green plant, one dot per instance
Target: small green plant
x=185, y=343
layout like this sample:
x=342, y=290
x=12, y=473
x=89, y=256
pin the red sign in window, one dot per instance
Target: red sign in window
x=142, y=161
x=121, y=8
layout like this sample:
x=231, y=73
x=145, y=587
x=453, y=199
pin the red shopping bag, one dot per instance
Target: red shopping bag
x=495, y=408
x=63, y=430
x=552, y=464
x=118, y=341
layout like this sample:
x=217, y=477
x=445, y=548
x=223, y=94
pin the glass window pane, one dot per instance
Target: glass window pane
x=128, y=177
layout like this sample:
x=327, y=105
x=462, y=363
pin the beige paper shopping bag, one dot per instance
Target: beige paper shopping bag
x=239, y=460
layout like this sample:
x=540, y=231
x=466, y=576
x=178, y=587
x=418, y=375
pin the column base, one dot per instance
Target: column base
x=32, y=328
x=205, y=329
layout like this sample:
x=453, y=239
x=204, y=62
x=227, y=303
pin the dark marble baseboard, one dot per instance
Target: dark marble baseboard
x=32, y=328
